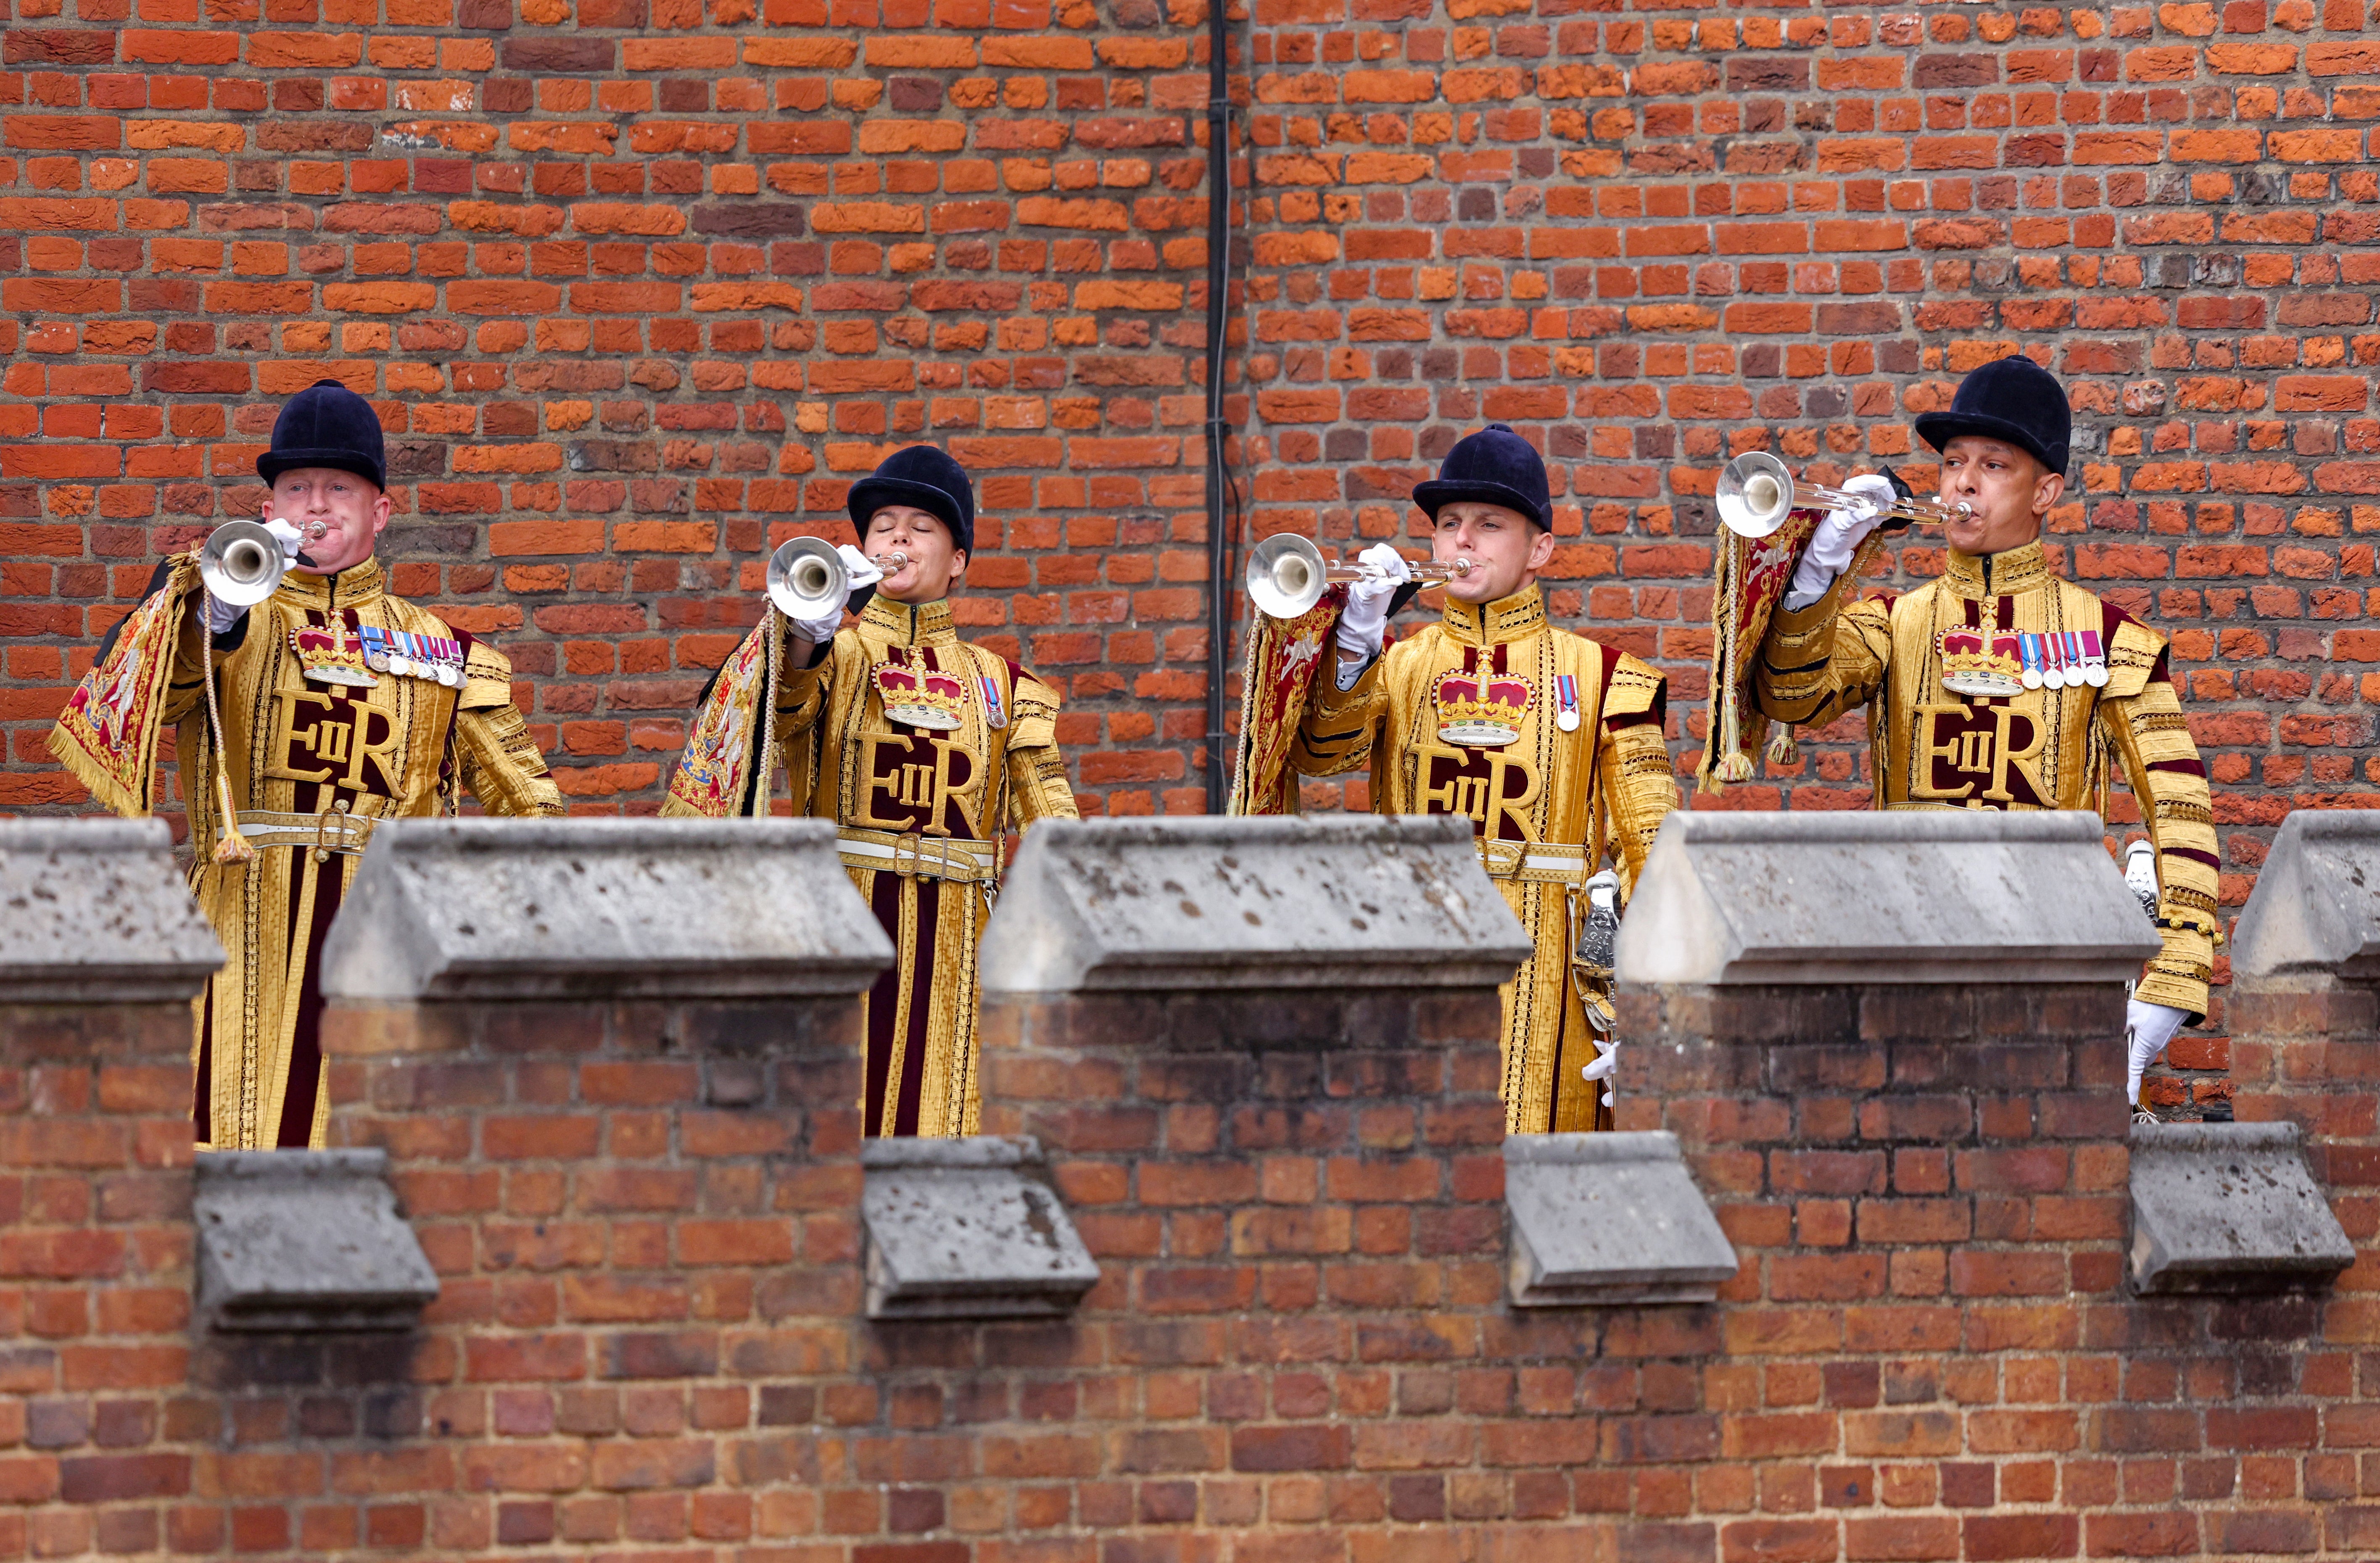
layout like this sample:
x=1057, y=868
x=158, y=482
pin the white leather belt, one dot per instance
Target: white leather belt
x=914, y=856
x=322, y=833
x=1545, y=863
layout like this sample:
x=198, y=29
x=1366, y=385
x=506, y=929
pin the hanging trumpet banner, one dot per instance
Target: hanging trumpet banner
x=106, y=738
x=1749, y=580
x=1283, y=658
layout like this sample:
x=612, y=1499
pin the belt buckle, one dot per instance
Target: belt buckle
x=1501, y=858
x=330, y=824
x=908, y=855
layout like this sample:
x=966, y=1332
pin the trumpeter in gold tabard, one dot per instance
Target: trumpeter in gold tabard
x=1550, y=744
x=2000, y=685
x=341, y=704
x=925, y=751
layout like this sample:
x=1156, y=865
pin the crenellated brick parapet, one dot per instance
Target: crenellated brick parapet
x=1250, y=1068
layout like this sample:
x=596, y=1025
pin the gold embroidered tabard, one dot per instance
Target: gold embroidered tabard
x=923, y=804
x=1992, y=621
x=313, y=762
x=1583, y=774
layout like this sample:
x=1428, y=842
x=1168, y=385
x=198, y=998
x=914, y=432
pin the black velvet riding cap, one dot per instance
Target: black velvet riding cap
x=924, y=477
x=2012, y=399
x=1494, y=467
x=327, y=425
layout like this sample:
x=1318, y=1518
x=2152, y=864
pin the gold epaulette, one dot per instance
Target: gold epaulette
x=487, y=677
x=1635, y=689
x=2132, y=653
x=1032, y=712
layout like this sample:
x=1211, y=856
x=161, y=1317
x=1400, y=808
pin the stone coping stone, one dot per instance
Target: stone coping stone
x=2314, y=918
x=1349, y=901
x=968, y=1230
x=1609, y=1219
x=2230, y=1207
x=1917, y=896
x=95, y=912
x=544, y=909
x=305, y=1240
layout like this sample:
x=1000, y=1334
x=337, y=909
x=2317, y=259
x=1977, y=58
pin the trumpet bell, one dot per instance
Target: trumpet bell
x=1286, y=575
x=241, y=564
x=807, y=579
x=1755, y=494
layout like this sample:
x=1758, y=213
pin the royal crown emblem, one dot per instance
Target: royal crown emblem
x=332, y=654
x=1980, y=666
x=920, y=697
x=1480, y=713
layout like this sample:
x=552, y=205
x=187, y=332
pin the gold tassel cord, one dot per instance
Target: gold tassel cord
x=775, y=653
x=1723, y=758
x=232, y=847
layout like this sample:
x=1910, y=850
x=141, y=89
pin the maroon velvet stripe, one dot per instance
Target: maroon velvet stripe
x=885, y=901
x=1562, y=1036
x=202, y=1092
x=305, y=1046
x=921, y=988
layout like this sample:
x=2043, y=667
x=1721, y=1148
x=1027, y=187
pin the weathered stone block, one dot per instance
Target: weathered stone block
x=94, y=911
x=968, y=1230
x=2313, y=918
x=302, y=1241
x=2230, y=1207
x=1981, y=899
x=520, y=909
x=1362, y=901
x=1609, y=1219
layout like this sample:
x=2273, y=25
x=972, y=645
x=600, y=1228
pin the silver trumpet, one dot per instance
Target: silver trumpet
x=1287, y=574
x=808, y=580
x=241, y=563
x=1757, y=492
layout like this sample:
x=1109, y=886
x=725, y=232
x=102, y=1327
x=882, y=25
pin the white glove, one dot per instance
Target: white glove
x=1606, y=1058
x=1365, y=621
x=221, y=616
x=2148, y=1027
x=1839, y=535
x=859, y=572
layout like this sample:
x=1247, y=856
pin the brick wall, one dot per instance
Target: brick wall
x=95, y=1274
x=649, y=1345
x=641, y=285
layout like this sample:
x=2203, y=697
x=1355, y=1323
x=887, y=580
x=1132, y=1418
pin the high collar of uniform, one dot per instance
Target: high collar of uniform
x=1997, y=575
x=908, y=623
x=351, y=588
x=1491, y=623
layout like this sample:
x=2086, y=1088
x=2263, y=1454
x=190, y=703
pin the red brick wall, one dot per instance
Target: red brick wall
x=649, y=1345
x=96, y=1437
x=640, y=286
